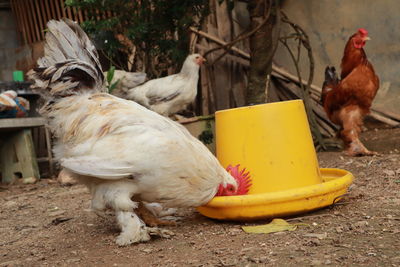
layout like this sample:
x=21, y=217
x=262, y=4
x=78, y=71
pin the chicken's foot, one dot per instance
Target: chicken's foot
x=150, y=219
x=357, y=149
x=133, y=230
x=160, y=232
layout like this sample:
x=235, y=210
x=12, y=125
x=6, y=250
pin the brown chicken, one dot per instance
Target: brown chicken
x=348, y=100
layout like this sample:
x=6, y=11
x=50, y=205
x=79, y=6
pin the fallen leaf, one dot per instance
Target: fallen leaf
x=53, y=209
x=277, y=225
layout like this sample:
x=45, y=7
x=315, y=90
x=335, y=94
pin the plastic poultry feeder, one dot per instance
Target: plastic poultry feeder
x=273, y=141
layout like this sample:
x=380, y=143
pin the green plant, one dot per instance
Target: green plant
x=110, y=76
x=158, y=30
x=207, y=135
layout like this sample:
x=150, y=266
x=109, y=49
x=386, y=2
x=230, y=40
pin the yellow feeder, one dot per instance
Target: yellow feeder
x=274, y=143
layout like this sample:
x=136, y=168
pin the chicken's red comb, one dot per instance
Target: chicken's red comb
x=363, y=31
x=242, y=178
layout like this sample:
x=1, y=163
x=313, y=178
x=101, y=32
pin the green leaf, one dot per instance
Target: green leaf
x=112, y=87
x=110, y=74
x=207, y=135
x=277, y=225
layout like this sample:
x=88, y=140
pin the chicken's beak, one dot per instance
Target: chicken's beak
x=220, y=190
x=367, y=38
x=200, y=60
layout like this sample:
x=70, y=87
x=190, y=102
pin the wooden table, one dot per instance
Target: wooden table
x=21, y=123
x=17, y=153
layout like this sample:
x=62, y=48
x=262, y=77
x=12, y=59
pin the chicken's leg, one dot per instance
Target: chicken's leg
x=158, y=210
x=150, y=218
x=351, y=118
x=117, y=196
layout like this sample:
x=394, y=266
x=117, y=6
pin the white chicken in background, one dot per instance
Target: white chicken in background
x=118, y=148
x=126, y=80
x=171, y=94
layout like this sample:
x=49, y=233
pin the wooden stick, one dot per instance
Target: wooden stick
x=391, y=115
x=384, y=119
x=239, y=60
x=292, y=77
x=219, y=41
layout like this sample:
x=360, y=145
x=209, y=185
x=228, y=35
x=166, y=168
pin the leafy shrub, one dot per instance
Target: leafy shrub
x=159, y=29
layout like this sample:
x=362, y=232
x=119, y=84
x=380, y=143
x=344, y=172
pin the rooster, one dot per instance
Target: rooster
x=123, y=152
x=348, y=100
x=171, y=94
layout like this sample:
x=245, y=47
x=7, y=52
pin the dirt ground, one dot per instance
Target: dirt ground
x=46, y=224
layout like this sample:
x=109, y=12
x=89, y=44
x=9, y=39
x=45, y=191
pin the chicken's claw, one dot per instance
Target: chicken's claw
x=125, y=240
x=160, y=232
x=361, y=153
x=357, y=149
x=133, y=229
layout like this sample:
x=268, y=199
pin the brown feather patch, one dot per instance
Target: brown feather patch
x=104, y=130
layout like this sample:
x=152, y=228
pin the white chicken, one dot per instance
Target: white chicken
x=173, y=93
x=118, y=148
x=126, y=80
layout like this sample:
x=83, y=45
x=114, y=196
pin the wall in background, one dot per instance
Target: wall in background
x=8, y=43
x=13, y=56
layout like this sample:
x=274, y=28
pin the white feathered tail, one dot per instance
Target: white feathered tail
x=70, y=64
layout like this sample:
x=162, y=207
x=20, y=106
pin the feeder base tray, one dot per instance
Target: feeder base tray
x=281, y=203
